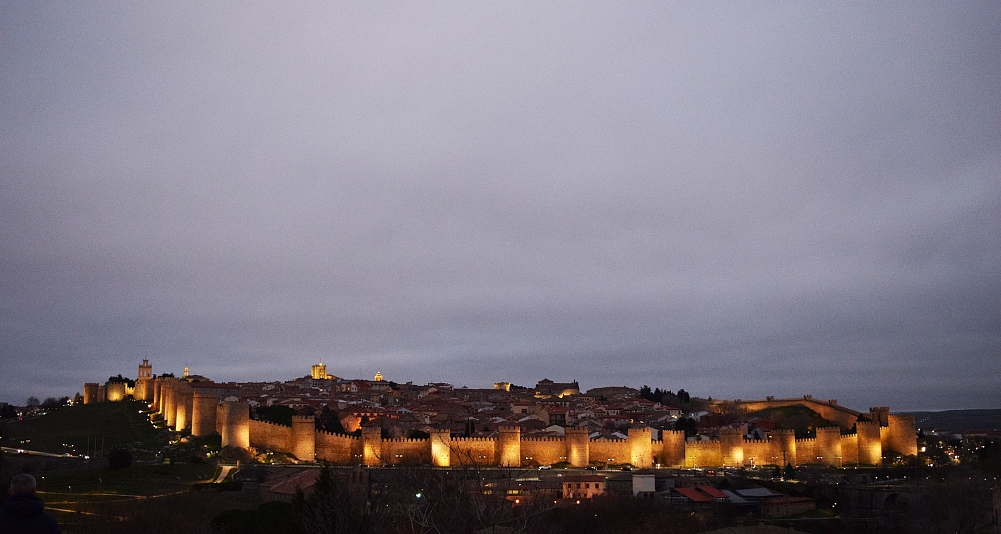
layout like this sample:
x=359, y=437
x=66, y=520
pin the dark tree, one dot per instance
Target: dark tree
x=328, y=421
x=646, y=394
x=334, y=506
x=32, y=402
x=119, y=458
x=7, y=411
x=269, y=518
x=281, y=415
x=51, y=403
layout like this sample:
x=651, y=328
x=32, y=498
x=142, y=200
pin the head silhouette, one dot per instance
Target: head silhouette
x=23, y=484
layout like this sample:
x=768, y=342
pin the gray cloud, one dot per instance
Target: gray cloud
x=737, y=200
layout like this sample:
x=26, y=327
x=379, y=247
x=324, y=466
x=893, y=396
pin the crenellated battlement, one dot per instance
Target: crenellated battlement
x=337, y=435
x=406, y=440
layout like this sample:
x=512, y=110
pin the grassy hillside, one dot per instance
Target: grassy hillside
x=70, y=428
x=797, y=417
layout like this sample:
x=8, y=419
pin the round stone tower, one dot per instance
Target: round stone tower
x=203, y=412
x=235, y=424
x=183, y=396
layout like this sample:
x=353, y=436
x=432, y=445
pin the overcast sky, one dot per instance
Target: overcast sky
x=735, y=199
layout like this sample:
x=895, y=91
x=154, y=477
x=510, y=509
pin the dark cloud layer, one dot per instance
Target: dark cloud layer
x=740, y=199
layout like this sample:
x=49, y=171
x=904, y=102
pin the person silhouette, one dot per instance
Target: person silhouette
x=23, y=512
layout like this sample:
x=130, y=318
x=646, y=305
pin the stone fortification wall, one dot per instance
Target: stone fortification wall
x=829, y=410
x=474, y=451
x=612, y=451
x=849, y=449
x=270, y=435
x=407, y=451
x=828, y=447
x=805, y=451
x=337, y=448
x=731, y=446
x=703, y=454
x=760, y=452
x=543, y=451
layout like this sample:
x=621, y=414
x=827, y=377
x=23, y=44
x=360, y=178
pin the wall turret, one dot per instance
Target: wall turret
x=114, y=391
x=672, y=447
x=870, y=448
x=441, y=450
x=880, y=414
x=371, y=441
x=509, y=446
x=157, y=385
x=578, y=450
x=90, y=392
x=731, y=444
x=304, y=438
x=640, y=440
x=168, y=406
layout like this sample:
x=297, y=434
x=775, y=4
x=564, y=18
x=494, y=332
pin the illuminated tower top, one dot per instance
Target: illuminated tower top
x=378, y=376
x=319, y=372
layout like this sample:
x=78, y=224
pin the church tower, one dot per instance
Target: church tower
x=144, y=382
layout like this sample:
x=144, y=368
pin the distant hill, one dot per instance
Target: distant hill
x=959, y=421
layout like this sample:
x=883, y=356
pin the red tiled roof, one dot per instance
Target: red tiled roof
x=693, y=494
x=711, y=491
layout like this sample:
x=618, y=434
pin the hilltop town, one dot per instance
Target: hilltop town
x=322, y=417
